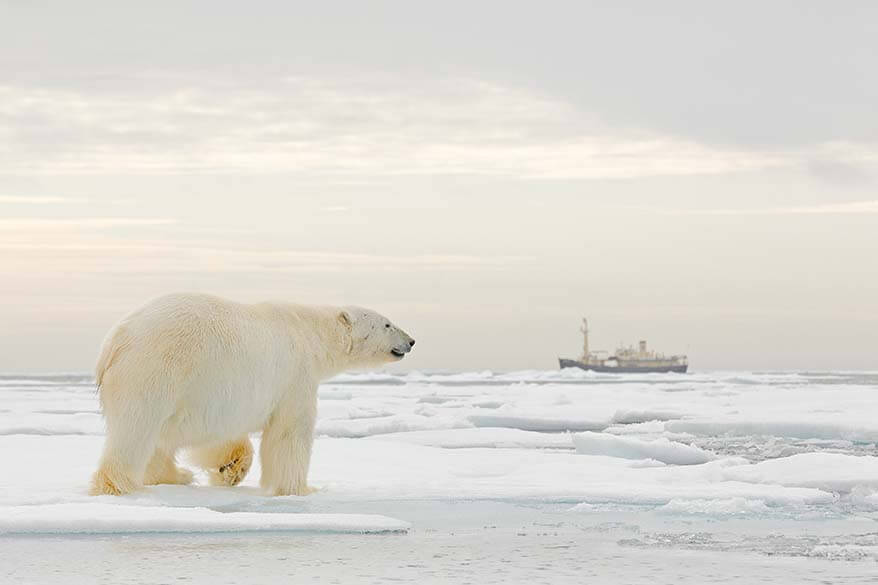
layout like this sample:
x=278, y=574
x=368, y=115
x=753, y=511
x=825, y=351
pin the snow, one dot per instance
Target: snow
x=660, y=449
x=802, y=429
x=834, y=472
x=349, y=469
x=526, y=423
x=77, y=518
x=481, y=438
x=670, y=455
x=367, y=426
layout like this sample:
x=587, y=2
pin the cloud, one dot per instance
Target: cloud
x=32, y=223
x=38, y=200
x=340, y=129
x=849, y=208
x=839, y=172
x=37, y=246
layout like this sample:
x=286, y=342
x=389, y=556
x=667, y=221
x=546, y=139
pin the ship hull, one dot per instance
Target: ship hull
x=681, y=369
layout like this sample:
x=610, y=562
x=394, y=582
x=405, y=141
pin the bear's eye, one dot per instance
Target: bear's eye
x=387, y=325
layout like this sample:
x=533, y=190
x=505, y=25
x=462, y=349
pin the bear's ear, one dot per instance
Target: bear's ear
x=345, y=319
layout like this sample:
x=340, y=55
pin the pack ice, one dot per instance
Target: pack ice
x=708, y=444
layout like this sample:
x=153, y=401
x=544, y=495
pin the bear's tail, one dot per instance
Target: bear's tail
x=115, y=341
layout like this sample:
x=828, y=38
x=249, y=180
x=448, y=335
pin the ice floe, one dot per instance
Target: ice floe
x=724, y=445
x=91, y=518
x=482, y=438
x=826, y=471
x=660, y=449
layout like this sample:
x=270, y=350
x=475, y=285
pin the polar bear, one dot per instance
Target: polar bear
x=200, y=372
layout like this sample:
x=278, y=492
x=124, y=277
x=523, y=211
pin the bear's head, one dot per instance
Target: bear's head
x=373, y=339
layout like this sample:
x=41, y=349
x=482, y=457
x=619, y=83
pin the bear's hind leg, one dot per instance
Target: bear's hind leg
x=123, y=463
x=112, y=480
x=162, y=468
x=226, y=464
x=134, y=424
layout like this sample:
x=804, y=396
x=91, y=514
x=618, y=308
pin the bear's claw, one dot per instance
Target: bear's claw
x=227, y=465
x=233, y=472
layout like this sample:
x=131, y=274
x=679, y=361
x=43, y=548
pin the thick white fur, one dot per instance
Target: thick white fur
x=197, y=371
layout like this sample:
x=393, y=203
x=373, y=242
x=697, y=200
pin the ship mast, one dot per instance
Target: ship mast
x=584, y=330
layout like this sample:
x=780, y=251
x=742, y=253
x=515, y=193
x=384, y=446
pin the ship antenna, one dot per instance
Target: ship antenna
x=584, y=330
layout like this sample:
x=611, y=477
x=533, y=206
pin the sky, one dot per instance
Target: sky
x=700, y=175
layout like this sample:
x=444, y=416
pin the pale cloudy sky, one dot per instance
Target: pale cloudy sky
x=703, y=176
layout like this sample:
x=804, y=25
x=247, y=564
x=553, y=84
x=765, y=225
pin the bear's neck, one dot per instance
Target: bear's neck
x=326, y=341
x=335, y=340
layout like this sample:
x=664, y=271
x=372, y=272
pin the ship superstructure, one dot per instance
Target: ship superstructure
x=626, y=359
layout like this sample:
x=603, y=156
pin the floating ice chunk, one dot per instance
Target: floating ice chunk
x=826, y=471
x=364, y=427
x=864, y=497
x=433, y=399
x=718, y=507
x=90, y=518
x=640, y=463
x=48, y=430
x=778, y=428
x=489, y=404
x=41, y=423
x=326, y=394
x=481, y=438
x=544, y=425
x=844, y=552
x=363, y=413
x=366, y=378
x=630, y=448
x=653, y=427
x=627, y=417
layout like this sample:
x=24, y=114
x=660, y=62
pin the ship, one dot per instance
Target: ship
x=627, y=360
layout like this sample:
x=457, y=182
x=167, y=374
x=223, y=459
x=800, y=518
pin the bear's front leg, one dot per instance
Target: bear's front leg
x=285, y=451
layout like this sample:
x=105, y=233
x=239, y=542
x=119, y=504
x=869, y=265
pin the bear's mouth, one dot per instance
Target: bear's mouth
x=397, y=353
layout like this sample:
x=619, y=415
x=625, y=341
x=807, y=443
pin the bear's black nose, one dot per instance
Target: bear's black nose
x=412, y=343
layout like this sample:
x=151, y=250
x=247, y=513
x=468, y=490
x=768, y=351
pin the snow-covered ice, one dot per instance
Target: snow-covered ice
x=661, y=449
x=90, y=518
x=473, y=438
x=709, y=462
